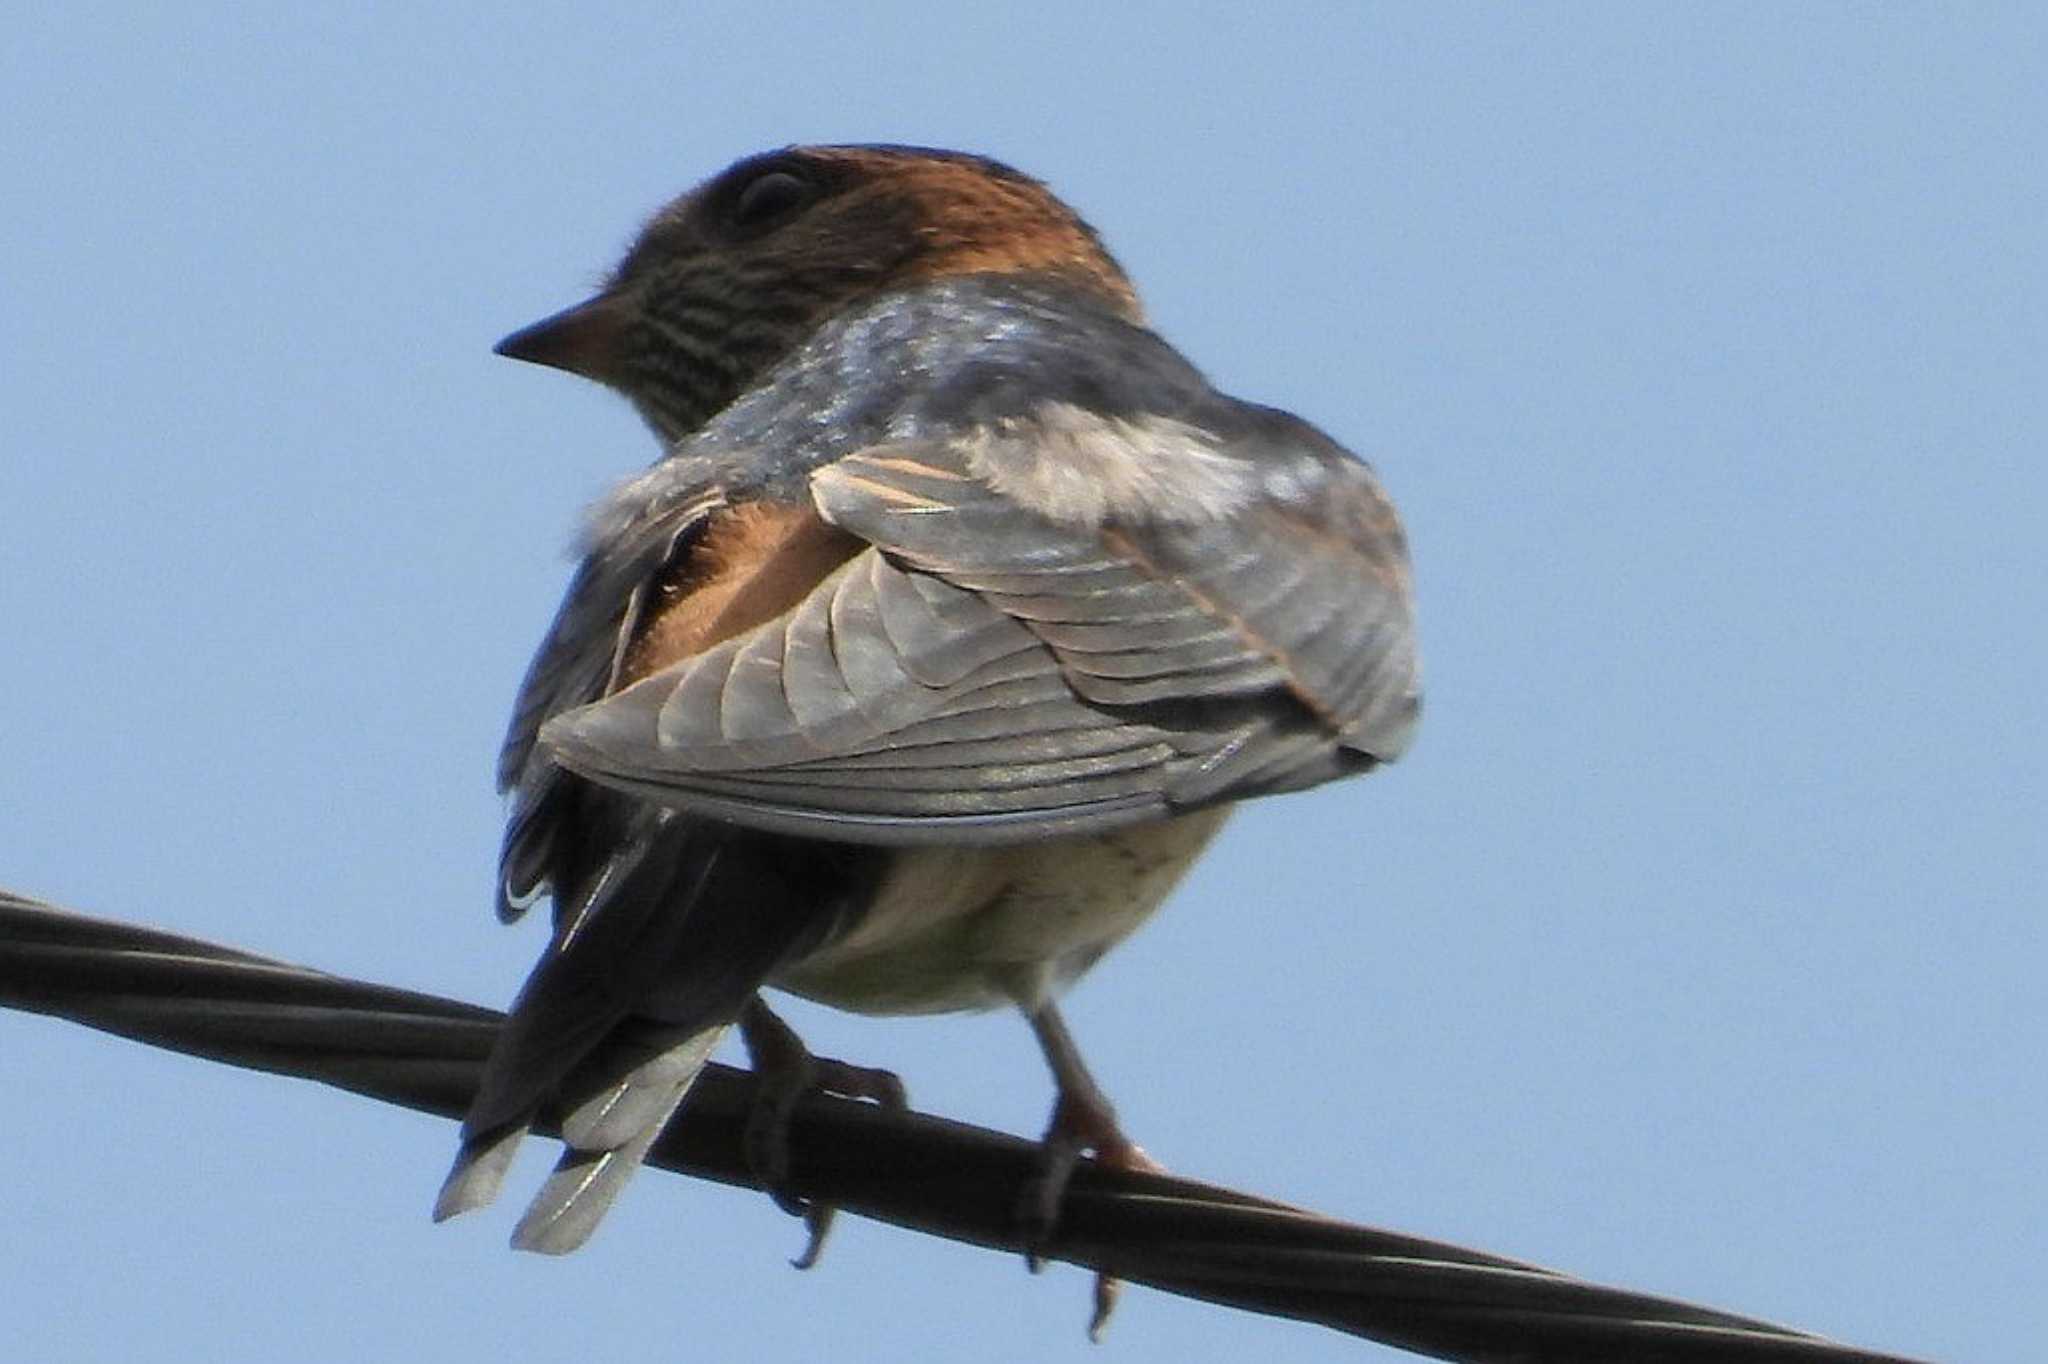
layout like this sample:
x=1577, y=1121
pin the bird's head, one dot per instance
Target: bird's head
x=736, y=273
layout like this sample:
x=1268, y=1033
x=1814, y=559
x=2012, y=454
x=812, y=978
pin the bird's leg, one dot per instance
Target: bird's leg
x=1083, y=1120
x=785, y=1072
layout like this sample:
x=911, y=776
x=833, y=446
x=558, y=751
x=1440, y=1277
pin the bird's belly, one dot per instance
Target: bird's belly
x=973, y=928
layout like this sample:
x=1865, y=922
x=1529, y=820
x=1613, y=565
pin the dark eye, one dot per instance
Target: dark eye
x=769, y=198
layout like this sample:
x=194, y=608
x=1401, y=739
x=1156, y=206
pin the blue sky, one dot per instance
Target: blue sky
x=1696, y=946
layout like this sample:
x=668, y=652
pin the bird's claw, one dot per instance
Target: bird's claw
x=818, y=1223
x=1108, y=1289
x=1077, y=1127
x=786, y=1072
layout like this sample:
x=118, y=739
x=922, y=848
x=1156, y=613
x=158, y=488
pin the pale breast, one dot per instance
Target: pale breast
x=974, y=928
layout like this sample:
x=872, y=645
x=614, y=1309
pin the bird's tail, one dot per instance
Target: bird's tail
x=654, y=955
x=605, y=1137
x=572, y=1042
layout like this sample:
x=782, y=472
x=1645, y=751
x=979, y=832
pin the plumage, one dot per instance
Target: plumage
x=955, y=614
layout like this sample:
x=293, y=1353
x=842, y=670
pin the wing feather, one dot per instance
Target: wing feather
x=989, y=670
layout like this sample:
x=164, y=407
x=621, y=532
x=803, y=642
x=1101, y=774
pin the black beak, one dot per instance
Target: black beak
x=584, y=339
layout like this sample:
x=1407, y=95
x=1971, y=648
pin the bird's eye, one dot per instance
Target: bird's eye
x=769, y=198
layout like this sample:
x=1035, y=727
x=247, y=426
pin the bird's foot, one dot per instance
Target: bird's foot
x=786, y=1072
x=1081, y=1123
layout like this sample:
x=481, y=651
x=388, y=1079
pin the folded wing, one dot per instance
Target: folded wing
x=1011, y=660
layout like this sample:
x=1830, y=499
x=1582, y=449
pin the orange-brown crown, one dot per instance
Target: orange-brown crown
x=733, y=275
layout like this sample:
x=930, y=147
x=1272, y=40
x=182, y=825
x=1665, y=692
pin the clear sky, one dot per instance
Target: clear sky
x=1697, y=945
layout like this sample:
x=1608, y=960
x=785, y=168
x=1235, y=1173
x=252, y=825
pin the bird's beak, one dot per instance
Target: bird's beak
x=584, y=339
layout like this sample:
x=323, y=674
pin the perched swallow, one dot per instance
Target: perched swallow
x=956, y=612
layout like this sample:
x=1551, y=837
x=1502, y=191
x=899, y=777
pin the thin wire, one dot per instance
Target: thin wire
x=911, y=1169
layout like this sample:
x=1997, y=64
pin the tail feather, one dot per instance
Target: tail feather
x=660, y=943
x=616, y=1111
x=606, y=1138
x=479, y=1170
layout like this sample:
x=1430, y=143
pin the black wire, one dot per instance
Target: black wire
x=912, y=1169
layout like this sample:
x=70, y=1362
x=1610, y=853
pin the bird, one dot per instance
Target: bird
x=955, y=614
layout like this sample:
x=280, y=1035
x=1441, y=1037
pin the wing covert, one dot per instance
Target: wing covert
x=1011, y=659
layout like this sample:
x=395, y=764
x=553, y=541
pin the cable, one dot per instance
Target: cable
x=911, y=1169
